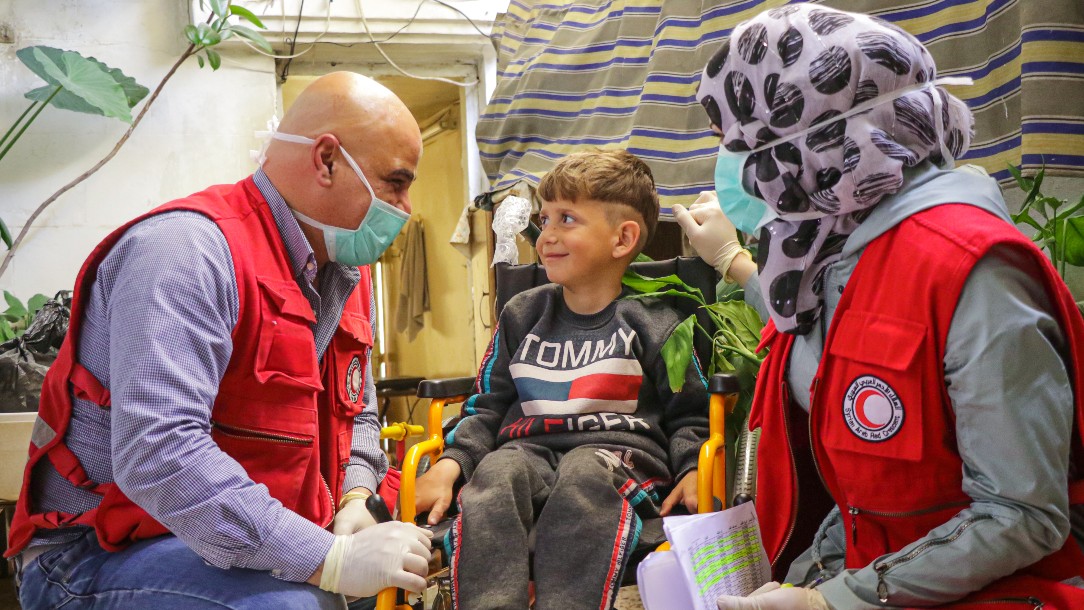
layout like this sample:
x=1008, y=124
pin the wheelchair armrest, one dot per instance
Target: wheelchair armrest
x=445, y=388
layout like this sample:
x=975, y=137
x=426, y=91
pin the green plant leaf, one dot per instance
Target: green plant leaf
x=5, y=234
x=253, y=36
x=133, y=91
x=677, y=353
x=192, y=34
x=199, y=60
x=218, y=7
x=1073, y=244
x=15, y=309
x=208, y=37
x=244, y=13
x=642, y=284
x=1021, y=181
x=214, y=59
x=89, y=80
x=69, y=99
x=742, y=320
x=35, y=303
x=7, y=333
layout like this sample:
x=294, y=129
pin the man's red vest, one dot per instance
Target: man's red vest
x=880, y=419
x=284, y=416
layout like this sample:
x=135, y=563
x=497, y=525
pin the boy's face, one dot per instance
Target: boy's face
x=577, y=242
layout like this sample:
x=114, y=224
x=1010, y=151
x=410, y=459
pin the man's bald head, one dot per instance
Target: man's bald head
x=344, y=111
x=348, y=104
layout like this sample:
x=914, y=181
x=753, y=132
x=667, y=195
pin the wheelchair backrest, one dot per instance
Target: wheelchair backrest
x=514, y=279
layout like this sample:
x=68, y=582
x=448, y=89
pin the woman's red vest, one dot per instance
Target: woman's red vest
x=285, y=417
x=881, y=424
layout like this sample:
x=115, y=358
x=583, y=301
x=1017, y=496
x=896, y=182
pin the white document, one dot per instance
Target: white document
x=662, y=583
x=718, y=553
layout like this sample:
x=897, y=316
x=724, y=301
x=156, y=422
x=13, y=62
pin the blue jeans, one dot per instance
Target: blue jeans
x=157, y=574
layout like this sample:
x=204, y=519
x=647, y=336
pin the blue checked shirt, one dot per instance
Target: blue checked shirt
x=156, y=333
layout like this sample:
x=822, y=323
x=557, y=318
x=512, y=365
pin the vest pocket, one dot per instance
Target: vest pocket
x=272, y=458
x=873, y=389
x=351, y=347
x=286, y=350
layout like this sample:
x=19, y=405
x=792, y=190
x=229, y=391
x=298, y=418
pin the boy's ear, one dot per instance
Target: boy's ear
x=626, y=238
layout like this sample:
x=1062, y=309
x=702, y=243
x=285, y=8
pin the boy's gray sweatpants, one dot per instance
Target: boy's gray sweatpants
x=580, y=511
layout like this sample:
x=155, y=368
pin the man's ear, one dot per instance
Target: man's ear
x=324, y=151
x=626, y=238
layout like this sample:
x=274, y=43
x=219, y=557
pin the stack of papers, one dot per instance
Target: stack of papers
x=711, y=554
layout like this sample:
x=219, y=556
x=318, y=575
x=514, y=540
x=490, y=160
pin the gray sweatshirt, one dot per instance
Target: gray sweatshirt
x=1013, y=420
x=556, y=378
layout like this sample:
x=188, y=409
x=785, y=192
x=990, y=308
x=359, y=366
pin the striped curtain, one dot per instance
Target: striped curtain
x=623, y=73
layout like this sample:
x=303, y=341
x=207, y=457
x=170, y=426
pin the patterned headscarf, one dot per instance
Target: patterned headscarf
x=795, y=67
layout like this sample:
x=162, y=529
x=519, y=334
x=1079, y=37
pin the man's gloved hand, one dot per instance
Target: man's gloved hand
x=772, y=596
x=711, y=234
x=353, y=516
x=392, y=554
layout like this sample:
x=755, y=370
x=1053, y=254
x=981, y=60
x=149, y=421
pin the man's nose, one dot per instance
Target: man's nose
x=404, y=203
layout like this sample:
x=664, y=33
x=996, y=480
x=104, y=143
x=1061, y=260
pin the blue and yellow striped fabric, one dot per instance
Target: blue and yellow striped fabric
x=623, y=73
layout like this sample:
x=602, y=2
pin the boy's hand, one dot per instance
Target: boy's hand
x=684, y=492
x=433, y=490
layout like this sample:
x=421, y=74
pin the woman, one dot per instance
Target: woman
x=918, y=387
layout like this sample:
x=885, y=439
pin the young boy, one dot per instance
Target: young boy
x=573, y=427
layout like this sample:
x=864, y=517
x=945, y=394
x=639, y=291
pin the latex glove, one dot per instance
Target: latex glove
x=684, y=492
x=353, y=516
x=393, y=554
x=711, y=234
x=772, y=596
x=433, y=490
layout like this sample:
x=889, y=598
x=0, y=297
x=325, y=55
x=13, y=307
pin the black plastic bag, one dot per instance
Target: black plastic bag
x=25, y=359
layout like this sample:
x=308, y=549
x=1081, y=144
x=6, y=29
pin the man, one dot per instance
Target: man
x=209, y=407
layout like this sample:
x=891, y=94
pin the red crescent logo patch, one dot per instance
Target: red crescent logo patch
x=872, y=410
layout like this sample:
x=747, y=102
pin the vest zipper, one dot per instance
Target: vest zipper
x=793, y=466
x=1036, y=603
x=331, y=500
x=854, y=511
x=883, y=568
x=260, y=435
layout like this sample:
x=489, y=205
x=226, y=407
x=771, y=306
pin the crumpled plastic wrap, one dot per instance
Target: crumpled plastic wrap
x=511, y=217
x=25, y=359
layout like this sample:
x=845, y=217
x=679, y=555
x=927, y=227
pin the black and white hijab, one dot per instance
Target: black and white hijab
x=795, y=67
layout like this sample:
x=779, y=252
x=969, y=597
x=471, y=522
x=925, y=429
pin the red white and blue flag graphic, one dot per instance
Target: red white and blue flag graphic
x=608, y=385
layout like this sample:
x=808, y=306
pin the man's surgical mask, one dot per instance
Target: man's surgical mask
x=365, y=244
x=749, y=213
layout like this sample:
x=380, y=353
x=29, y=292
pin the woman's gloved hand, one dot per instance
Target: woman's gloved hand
x=711, y=234
x=772, y=596
x=392, y=554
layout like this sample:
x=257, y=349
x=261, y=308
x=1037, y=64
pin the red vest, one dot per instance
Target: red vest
x=880, y=416
x=285, y=417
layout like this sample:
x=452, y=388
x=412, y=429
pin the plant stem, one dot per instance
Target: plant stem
x=28, y=122
x=18, y=120
x=67, y=187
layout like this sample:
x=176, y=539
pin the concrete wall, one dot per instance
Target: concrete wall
x=200, y=129
x=197, y=133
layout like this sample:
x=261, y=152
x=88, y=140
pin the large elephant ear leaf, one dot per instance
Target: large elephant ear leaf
x=87, y=85
x=677, y=353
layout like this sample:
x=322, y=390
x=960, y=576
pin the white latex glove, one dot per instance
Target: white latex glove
x=711, y=234
x=393, y=554
x=774, y=597
x=352, y=517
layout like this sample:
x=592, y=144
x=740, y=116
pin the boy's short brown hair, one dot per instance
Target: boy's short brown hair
x=607, y=176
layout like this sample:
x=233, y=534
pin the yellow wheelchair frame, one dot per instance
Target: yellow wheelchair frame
x=711, y=473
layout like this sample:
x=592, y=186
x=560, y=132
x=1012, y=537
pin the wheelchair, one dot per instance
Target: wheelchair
x=712, y=488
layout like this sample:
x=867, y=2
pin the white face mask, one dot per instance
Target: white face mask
x=379, y=228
